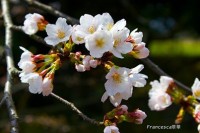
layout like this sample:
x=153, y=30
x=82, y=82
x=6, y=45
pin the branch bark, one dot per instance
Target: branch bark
x=75, y=109
x=54, y=12
x=34, y=37
x=155, y=68
x=10, y=67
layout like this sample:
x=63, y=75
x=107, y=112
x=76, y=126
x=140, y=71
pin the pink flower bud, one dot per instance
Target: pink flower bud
x=138, y=116
x=93, y=63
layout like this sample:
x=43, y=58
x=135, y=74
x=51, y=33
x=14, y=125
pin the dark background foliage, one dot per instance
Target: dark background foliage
x=171, y=31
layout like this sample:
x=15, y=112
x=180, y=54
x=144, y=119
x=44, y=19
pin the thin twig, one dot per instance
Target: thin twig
x=74, y=108
x=155, y=68
x=10, y=67
x=2, y=101
x=34, y=37
x=54, y=12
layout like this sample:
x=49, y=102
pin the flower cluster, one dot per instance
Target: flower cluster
x=37, y=71
x=103, y=38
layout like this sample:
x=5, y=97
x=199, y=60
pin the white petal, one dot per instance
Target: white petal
x=116, y=53
x=104, y=97
x=51, y=40
x=119, y=25
x=137, y=69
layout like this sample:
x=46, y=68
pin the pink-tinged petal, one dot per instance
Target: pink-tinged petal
x=47, y=86
x=125, y=48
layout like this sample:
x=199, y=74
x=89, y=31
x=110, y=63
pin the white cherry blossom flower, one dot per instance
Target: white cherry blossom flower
x=111, y=129
x=26, y=63
x=59, y=32
x=31, y=23
x=99, y=43
x=196, y=88
x=120, y=44
x=159, y=99
x=163, y=85
x=118, y=80
x=89, y=24
x=47, y=86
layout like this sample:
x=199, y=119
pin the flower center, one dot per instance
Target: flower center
x=79, y=39
x=109, y=26
x=60, y=34
x=100, y=42
x=197, y=93
x=116, y=77
x=91, y=29
x=163, y=99
x=112, y=131
x=116, y=42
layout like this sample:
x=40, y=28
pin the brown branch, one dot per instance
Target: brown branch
x=155, y=68
x=75, y=109
x=34, y=37
x=52, y=11
x=10, y=67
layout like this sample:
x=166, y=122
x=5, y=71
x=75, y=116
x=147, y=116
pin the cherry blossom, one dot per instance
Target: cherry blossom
x=59, y=32
x=99, y=43
x=120, y=44
x=33, y=22
x=111, y=129
x=139, y=49
x=196, y=88
x=159, y=99
x=118, y=80
x=26, y=63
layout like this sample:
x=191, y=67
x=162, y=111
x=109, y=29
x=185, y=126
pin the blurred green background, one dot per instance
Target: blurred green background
x=171, y=31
